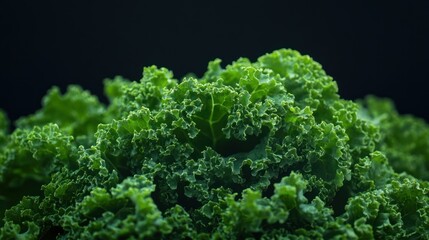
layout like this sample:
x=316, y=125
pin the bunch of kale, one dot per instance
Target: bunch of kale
x=263, y=150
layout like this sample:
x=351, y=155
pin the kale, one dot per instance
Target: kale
x=253, y=150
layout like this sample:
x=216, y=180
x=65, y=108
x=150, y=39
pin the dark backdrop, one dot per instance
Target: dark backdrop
x=377, y=48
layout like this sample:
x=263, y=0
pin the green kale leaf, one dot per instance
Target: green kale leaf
x=252, y=150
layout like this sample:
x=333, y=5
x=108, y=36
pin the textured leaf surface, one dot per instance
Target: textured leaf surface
x=252, y=150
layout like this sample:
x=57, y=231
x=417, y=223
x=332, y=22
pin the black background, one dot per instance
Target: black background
x=378, y=48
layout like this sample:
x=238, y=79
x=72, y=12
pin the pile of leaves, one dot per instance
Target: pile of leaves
x=254, y=150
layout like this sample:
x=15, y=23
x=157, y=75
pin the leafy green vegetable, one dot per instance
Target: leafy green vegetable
x=255, y=150
x=4, y=125
x=404, y=139
x=77, y=113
